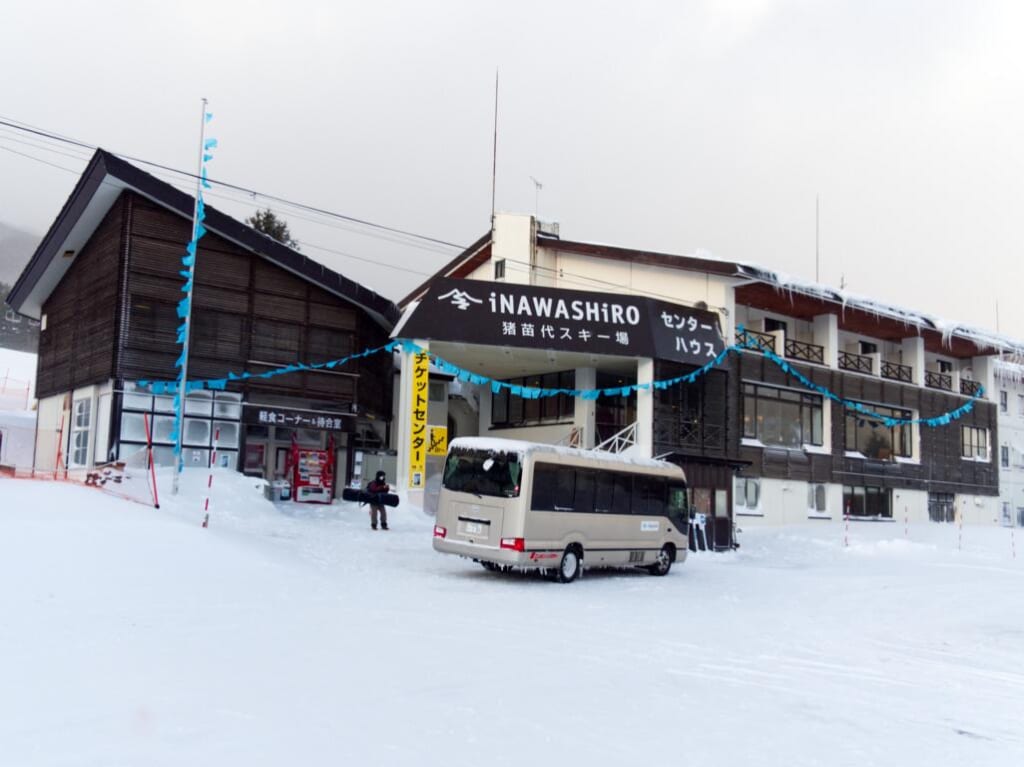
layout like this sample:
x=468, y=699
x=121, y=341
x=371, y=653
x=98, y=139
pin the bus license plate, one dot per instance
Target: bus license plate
x=474, y=528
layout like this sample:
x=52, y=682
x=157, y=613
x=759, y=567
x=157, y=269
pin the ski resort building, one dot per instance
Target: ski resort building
x=104, y=284
x=1009, y=396
x=760, y=440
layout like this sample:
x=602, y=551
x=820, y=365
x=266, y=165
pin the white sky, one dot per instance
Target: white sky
x=674, y=126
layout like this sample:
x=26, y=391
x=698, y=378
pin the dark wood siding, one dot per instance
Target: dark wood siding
x=77, y=347
x=938, y=467
x=248, y=314
x=696, y=419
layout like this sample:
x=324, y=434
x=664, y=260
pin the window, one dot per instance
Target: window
x=945, y=366
x=1007, y=518
x=874, y=502
x=781, y=416
x=508, y=409
x=81, y=422
x=1004, y=401
x=817, y=499
x=867, y=347
x=747, y=495
x=974, y=443
x=499, y=269
x=873, y=439
x=1020, y=405
x=1004, y=456
x=563, y=488
x=490, y=473
x=771, y=325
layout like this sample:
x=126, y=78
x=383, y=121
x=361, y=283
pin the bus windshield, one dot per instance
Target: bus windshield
x=483, y=472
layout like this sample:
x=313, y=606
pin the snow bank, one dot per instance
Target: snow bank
x=291, y=634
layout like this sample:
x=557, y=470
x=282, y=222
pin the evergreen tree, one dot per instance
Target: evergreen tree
x=267, y=222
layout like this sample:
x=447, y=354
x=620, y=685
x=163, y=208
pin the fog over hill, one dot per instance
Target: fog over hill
x=16, y=247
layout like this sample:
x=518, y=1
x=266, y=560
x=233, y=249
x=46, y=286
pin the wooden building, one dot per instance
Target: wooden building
x=105, y=283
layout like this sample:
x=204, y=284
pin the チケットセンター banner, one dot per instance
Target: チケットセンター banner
x=418, y=420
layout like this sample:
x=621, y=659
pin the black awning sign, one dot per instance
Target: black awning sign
x=498, y=314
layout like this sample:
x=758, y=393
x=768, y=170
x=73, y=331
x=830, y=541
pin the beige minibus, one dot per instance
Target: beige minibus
x=511, y=504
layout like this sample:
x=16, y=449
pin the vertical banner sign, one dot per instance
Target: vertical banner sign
x=418, y=420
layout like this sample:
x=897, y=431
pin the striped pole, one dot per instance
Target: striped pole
x=1013, y=544
x=846, y=528
x=960, y=529
x=209, y=479
x=906, y=523
x=149, y=459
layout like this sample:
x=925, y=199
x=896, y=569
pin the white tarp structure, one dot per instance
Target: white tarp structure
x=17, y=438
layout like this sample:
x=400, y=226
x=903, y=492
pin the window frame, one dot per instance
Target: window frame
x=807, y=405
x=900, y=448
x=974, y=444
x=511, y=411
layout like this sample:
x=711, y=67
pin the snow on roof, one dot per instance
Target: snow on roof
x=498, y=445
x=920, y=320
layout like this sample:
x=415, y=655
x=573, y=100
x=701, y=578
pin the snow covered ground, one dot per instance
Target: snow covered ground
x=295, y=635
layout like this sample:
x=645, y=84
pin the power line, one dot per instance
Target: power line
x=304, y=243
x=17, y=125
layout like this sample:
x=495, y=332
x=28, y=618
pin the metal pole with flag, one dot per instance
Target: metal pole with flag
x=185, y=305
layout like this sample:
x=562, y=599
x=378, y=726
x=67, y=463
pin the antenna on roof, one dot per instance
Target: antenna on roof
x=817, y=258
x=537, y=186
x=494, y=153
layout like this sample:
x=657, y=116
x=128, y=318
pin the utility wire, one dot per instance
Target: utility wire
x=24, y=127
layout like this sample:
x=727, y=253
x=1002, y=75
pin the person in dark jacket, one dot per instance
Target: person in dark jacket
x=378, y=485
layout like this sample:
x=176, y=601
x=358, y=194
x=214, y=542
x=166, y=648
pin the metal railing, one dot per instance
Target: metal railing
x=755, y=341
x=858, y=363
x=619, y=441
x=897, y=372
x=938, y=380
x=970, y=388
x=801, y=350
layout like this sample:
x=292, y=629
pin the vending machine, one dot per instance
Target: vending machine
x=312, y=475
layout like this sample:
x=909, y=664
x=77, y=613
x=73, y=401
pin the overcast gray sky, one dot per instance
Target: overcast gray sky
x=676, y=126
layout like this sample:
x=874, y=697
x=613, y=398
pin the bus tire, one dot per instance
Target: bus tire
x=570, y=565
x=663, y=563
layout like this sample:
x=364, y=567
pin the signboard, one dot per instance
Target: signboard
x=438, y=444
x=498, y=314
x=270, y=415
x=418, y=420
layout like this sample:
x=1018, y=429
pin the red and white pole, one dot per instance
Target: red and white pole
x=906, y=522
x=1013, y=544
x=960, y=529
x=209, y=480
x=149, y=458
x=846, y=528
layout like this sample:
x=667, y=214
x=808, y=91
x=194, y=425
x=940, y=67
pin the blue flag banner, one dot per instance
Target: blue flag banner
x=528, y=392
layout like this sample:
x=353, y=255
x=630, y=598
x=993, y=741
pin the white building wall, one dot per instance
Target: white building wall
x=1009, y=378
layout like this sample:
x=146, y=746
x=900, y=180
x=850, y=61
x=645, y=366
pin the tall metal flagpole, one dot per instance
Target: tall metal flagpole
x=494, y=152
x=180, y=426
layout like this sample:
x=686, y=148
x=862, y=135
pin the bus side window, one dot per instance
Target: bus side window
x=604, y=492
x=584, y=491
x=638, y=504
x=544, y=480
x=623, y=496
x=655, y=496
x=565, y=488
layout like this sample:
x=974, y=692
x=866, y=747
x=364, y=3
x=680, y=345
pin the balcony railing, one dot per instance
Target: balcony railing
x=758, y=342
x=970, y=388
x=938, y=380
x=858, y=363
x=801, y=350
x=896, y=372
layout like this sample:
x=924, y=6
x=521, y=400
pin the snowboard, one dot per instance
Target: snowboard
x=356, y=495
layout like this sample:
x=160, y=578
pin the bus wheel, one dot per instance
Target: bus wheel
x=571, y=564
x=663, y=563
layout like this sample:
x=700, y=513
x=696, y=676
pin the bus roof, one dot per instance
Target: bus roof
x=498, y=445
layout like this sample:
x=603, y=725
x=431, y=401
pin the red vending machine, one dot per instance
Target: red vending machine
x=312, y=475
